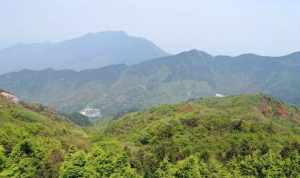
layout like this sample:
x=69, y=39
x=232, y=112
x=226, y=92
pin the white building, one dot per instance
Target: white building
x=91, y=112
x=219, y=95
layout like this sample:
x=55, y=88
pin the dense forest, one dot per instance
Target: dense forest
x=234, y=136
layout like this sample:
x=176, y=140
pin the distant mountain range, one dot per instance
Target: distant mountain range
x=121, y=88
x=88, y=51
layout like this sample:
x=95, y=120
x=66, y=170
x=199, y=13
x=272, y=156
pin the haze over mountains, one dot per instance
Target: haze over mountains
x=89, y=51
x=122, y=88
x=218, y=95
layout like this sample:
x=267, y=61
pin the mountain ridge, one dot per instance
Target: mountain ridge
x=171, y=79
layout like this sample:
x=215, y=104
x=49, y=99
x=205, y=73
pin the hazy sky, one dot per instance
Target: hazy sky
x=267, y=27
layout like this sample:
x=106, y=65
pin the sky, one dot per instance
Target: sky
x=229, y=27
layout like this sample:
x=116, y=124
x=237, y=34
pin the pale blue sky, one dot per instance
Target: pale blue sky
x=267, y=27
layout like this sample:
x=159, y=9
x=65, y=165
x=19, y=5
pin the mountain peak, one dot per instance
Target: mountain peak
x=106, y=33
x=196, y=53
x=248, y=55
x=92, y=50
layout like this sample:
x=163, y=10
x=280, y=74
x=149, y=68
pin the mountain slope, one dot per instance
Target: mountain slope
x=36, y=142
x=237, y=136
x=33, y=139
x=193, y=74
x=240, y=136
x=89, y=51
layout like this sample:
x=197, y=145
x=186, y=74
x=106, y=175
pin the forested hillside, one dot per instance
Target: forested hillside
x=36, y=142
x=236, y=136
x=239, y=136
x=33, y=140
x=118, y=89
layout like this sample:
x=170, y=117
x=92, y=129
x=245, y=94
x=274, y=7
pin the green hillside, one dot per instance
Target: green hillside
x=36, y=142
x=33, y=140
x=235, y=136
x=119, y=89
x=240, y=136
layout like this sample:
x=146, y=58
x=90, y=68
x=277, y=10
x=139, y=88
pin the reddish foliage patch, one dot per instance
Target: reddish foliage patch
x=185, y=108
x=282, y=111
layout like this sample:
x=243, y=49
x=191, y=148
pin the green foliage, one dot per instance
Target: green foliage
x=97, y=163
x=2, y=158
x=243, y=136
x=240, y=136
x=33, y=141
x=25, y=160
x=268, y=165
x=189, y=168
x=75, y=165
x=163, y=170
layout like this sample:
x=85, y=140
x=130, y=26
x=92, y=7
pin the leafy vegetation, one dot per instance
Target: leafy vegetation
x=236, y=136
x=33, y=140
x=243, y=136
